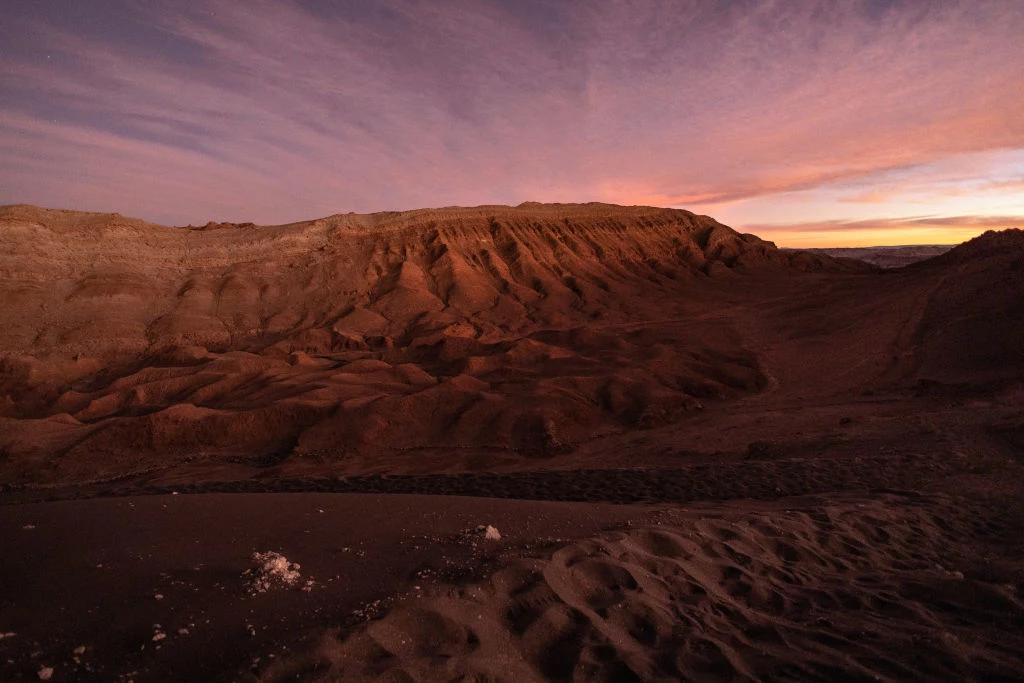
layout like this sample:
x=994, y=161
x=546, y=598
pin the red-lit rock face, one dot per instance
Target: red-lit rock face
x=472, y=338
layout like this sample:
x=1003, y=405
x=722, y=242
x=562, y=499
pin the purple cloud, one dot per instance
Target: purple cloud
x=274, y=112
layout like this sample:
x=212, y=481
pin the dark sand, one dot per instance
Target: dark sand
x=86, y=573
x=848, y=586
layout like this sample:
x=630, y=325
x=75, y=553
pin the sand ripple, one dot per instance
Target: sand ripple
x=848, y=590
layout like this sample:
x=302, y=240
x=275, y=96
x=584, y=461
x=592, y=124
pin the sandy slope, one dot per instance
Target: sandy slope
x=837, y=589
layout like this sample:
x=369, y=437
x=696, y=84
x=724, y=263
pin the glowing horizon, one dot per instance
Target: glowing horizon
x=810, y=124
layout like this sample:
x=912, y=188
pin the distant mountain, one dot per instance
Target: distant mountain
x=886, y=257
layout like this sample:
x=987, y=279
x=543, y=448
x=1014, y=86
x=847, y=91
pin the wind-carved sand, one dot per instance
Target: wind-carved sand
x=829, y=454
x=828, y=589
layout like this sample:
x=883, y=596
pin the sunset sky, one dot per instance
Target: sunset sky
x=809, y=123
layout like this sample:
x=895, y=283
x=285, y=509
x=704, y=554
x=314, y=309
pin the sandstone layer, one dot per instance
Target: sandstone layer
x=454, y=339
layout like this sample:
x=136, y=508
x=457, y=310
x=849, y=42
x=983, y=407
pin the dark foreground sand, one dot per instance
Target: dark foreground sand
x=851, y=586
x=88, y=573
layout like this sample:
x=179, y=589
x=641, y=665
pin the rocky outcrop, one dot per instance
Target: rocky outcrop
x=477, y=335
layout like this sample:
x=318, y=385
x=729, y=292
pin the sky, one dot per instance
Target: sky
x=810, y=123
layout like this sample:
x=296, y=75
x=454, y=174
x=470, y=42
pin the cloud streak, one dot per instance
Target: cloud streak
x=864, y=233
x=274, y=111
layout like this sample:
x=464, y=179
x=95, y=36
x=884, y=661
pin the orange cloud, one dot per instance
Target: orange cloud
x=884, y=232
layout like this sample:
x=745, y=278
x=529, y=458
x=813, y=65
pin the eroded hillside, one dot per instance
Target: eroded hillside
x=432, y=340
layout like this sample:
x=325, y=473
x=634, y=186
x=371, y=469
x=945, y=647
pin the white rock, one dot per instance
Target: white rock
x=271, y=569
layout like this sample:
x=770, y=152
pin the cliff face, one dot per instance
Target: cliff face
x=107, y=286
x=512, y=332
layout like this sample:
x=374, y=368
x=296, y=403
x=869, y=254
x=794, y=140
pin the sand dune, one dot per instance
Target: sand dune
x=837, y=590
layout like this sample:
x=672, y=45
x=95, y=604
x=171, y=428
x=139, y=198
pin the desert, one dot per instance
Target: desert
x=533, y=442
x=511, y=341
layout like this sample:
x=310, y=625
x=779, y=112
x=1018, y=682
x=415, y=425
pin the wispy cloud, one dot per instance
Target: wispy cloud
x=973, y=222
x=275, y=111
x=912, y=230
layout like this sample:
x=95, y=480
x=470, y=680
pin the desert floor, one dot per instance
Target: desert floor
x=854, y=584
